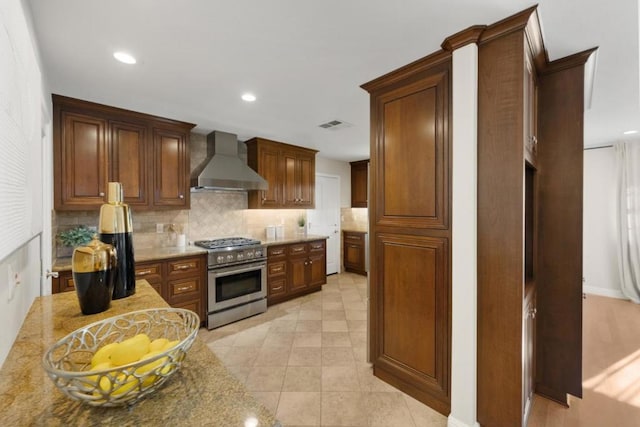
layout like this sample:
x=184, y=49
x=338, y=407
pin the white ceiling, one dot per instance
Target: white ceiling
x=305, y=60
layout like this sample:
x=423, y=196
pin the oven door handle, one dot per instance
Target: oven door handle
x=233, y=270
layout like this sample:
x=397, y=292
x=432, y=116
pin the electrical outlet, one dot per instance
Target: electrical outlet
x=159, y=228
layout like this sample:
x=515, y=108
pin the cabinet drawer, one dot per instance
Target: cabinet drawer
x=277, y=268
x=276, y=251
x=183, y=266
x=298, y=249
x=277, y=286
x=145, y=270
x=353, y=238
x=317, y=246
x=184, y=287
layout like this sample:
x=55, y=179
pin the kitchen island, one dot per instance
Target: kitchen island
x=202, y=393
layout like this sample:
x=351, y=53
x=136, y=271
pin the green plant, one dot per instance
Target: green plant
x=301, y=221
x=76, y=236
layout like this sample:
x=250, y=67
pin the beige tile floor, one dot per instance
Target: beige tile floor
x=306, y=361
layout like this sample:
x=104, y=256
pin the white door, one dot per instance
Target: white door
x=324, y=220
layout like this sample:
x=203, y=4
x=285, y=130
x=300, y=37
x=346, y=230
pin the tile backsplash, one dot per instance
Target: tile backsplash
x=355, y=219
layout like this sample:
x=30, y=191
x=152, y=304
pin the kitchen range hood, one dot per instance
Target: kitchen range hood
x=223, y=169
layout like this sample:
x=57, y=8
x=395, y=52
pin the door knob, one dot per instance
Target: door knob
x=51, y=274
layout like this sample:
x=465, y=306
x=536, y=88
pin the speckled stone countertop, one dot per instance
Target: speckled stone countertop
x=293, y=239
x=153, y=254
x=202, y=393
x=142, y=255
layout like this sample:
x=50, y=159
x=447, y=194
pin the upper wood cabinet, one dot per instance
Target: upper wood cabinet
x=360, y=184
x=289, y=170
x=171, y=168
x=95, y=144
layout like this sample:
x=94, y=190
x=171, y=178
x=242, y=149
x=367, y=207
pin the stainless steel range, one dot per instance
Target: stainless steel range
x=237, y=279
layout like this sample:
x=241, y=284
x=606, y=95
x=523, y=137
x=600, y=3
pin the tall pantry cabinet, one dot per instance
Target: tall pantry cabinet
x=409, y=217
x=529, y=223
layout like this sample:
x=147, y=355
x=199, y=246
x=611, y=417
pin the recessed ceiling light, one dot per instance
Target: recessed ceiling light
x=249, y=97
x=124, y=57
x=630, y=132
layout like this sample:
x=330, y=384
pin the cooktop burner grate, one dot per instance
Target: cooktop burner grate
x=227, y=242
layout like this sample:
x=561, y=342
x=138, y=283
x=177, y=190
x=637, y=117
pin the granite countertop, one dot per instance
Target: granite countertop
x=203, y=392
x=293, y=239
x=153, y=254
x=142, y=255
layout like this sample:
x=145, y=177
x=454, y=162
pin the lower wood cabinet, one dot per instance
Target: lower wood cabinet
x=182, y=282
x=353, y=251
x=295, y=269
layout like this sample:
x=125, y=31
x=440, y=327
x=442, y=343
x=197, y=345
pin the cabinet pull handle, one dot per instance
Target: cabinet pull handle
x=183, y=267
x=181, y=196
x=101, y=194
x=184, y=288
x=277, y=269
x=143, y=272
x=277, y=289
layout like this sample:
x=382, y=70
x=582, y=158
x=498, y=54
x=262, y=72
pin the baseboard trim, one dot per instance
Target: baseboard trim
x=454, y=422
x=604, y=292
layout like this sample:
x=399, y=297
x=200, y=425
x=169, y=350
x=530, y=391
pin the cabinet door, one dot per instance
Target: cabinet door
x=359, y=184
x=171, y=166
x=269, y=169
x=80, y=160
x=297, y=267
x=306, y=181
x=317, y=269
x=64, y=282
x=353, y=256
x=530, y=112
x=130, y=161
x=528, y=368
x=290, y=183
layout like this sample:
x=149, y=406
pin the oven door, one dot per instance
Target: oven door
x=236, y=285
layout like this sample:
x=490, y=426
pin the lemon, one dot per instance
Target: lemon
x=158, y=344
x=130, y=350
x=99, y=367
x=123, y=385
x=171, y=344
x=103, y=354
x=151, y=365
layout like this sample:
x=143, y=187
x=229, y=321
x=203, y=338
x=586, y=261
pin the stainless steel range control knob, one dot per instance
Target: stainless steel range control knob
x=258, y=252
x=229, y=257
x=249, y=254
x=220, y=259
x=240, y=257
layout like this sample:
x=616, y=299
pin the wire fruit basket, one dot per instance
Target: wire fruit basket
x=68, y=361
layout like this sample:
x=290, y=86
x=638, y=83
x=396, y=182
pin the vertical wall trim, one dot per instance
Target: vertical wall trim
x=464, y=238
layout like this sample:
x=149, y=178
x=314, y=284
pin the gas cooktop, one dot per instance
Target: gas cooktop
x=226, y=243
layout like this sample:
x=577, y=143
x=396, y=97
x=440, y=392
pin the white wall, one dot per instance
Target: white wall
x=21, y=106
x=464, y=272
x=600, y=263
x=337, y=167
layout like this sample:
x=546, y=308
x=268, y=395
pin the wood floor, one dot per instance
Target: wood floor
x=611, y=370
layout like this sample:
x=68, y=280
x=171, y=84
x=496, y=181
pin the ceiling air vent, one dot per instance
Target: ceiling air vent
x=335, y=125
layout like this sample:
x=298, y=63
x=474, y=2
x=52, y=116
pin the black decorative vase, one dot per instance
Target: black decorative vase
x=116, y=229
x=93, y=268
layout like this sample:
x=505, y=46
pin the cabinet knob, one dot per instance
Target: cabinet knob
x=306, y=263
x=181, y=196
x=101, y=194
x=310, y=262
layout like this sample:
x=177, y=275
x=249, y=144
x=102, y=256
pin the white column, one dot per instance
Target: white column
x=464, y=238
